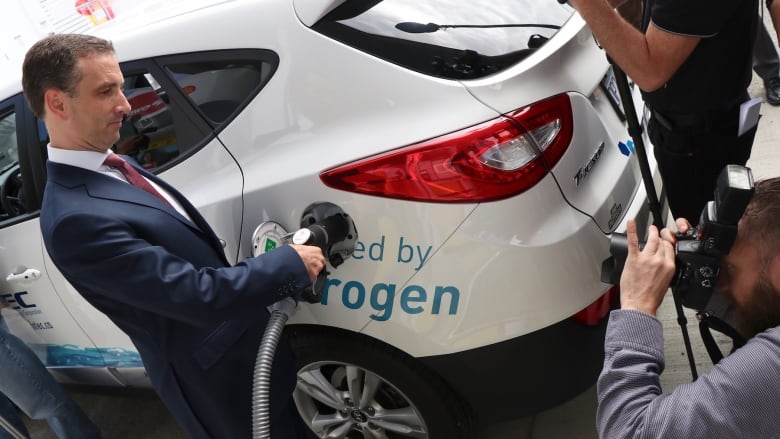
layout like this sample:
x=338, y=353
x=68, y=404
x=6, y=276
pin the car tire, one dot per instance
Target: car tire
x=408, y=400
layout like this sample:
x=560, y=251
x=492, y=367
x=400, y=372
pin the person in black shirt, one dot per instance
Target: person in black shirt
x=692, y=60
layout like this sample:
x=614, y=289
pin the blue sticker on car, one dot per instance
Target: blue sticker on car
x=626, y=148
x=73, y=355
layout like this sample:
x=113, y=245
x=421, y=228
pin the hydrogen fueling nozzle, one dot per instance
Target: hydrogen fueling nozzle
x=328, y=227
x=331, y=229
x=324, y=225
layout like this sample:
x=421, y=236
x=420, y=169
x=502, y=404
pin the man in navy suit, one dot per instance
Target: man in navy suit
x=153, y=265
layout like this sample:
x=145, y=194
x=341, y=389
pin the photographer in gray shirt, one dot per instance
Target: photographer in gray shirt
x=740, y=396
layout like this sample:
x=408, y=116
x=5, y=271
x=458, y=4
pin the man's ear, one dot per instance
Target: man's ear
x=773, y=272
x=55, y=102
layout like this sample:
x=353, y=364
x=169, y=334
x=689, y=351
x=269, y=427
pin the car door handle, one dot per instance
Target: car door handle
x=28, y=274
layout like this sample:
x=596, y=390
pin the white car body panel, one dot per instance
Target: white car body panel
x=310, y=11
x=217, y=199
x=36, y=316
x=496, y=304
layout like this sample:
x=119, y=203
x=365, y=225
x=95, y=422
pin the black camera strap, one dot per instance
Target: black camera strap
x=653, y=202
x=707, y=321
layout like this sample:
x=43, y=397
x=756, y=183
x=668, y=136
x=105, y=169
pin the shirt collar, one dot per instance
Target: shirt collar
x=90, y=160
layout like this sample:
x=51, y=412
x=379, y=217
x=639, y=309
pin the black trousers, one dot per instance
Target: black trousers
x=766, y=63
x=691, y=154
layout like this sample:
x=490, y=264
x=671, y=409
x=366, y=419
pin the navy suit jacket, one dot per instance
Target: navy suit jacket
x=196, y=321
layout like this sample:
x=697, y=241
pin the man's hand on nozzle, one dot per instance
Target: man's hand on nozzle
x=312, y=258
x=647, y=272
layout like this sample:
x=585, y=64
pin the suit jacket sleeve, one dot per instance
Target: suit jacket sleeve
x=107, y=257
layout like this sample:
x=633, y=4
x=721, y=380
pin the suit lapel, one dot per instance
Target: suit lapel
x=194, y=214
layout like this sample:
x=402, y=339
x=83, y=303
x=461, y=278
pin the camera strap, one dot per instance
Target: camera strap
x=708, y=321
x=635, y=130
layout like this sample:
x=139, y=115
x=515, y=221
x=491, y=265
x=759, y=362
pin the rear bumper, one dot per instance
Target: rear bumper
x=527, y=374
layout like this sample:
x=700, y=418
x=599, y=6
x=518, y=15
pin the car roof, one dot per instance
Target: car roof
x=309, y=11
x=138, y=20
x=10, y=80
x=10, y=85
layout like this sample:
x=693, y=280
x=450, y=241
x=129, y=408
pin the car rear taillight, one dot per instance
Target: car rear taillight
x=491, y=161
x=594, y=313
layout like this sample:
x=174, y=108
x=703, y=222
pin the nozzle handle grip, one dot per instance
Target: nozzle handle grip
x=313, y=294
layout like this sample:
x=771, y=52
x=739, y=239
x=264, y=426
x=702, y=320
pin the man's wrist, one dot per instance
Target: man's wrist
x=641, y=306
x=644, y=310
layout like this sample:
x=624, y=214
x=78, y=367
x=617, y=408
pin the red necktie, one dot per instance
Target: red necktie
x=132, y=175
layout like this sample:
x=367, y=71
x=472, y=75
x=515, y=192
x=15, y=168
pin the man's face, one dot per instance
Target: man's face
x=743, y=278
x=96, y=110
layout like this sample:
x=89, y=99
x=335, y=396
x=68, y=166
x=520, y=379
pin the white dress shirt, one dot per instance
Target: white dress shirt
x=93, y=161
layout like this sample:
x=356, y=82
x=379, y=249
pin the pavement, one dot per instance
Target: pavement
x=123, y=414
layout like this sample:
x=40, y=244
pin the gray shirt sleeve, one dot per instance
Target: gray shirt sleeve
x=739, y=397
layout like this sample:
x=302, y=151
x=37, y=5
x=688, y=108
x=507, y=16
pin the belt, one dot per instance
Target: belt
x=695, y=120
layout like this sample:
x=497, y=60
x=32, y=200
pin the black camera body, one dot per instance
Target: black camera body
x=698, y=252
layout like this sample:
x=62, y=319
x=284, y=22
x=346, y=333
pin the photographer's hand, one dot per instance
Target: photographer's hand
x=683, y=227
x=647, y=273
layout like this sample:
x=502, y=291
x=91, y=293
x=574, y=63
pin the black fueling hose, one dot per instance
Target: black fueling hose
x=328, y=227
x=261, y=383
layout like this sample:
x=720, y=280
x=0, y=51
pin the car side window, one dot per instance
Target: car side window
x=9, y=154
x=179, y=102
x=11, y=193
x=219, y=87
x=151, y=135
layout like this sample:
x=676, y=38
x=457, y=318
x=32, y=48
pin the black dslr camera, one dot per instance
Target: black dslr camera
x=699, y=251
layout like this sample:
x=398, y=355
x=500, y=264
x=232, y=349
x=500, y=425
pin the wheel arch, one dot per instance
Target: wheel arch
x=307, y=337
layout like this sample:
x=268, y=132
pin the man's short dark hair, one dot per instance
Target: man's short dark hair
x=760, y=224
x=51, y=63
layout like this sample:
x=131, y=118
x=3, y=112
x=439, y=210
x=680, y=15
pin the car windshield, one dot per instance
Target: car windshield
x=451, y=39
x=8, y=147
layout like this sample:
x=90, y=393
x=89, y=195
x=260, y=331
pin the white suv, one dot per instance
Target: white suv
x=479, y=146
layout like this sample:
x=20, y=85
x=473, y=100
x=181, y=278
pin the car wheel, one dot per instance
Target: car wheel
x=351, y=386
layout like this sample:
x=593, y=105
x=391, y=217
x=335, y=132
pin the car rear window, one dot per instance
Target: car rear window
x=452, y=39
